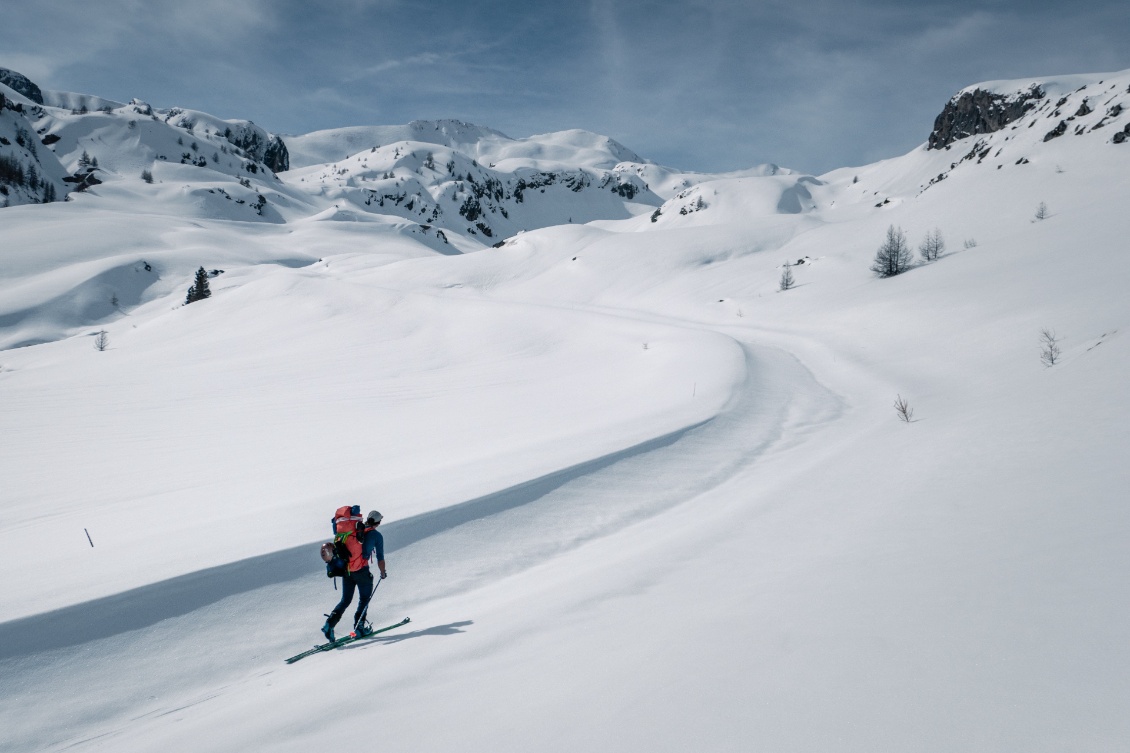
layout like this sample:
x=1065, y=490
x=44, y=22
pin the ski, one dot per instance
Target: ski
x=344, y=640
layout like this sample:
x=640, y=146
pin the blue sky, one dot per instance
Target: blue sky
x=808, y=84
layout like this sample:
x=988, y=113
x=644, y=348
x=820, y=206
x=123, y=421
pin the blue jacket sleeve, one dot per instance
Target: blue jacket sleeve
x=373, y=546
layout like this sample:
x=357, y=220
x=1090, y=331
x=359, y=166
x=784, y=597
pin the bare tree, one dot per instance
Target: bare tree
x=969, y=243
x=893, y=257
x=1049, y=347
x=932, y=246
x=787, y=279
x=903, y=409
x=101, y=341
x=1042, y=211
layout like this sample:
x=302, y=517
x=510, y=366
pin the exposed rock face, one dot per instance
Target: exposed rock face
x=980, y=111
x=276, y=156
x=260, y=145
x=1056, y=132
x=22, y=84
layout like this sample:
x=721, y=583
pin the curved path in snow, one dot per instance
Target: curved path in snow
x=207, y=630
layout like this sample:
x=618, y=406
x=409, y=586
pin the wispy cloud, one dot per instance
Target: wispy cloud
x=702, y=84
x=422, y=59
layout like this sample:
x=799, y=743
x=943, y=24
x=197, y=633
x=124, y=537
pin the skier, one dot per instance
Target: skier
x=364, y=543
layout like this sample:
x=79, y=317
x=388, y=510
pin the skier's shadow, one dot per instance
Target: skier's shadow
x=451, y=628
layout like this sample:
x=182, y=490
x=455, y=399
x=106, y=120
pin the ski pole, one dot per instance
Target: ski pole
x=361, y=617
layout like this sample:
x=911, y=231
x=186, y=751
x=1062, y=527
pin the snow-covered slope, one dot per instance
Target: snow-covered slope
x=636, y=496
x=29, y=173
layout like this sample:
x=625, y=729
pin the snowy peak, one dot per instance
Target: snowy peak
x=562, y=149
x=265, y=148
x=1079, y=104
x=1007, y=124
x=429, y=184
x=20, y=83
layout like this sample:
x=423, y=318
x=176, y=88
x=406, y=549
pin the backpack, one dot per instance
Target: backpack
x=336, y=553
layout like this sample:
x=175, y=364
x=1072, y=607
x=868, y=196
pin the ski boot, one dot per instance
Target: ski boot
x=328, y=631
x=363, y=629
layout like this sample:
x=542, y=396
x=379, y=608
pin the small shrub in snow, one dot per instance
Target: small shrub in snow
x=1049, y=347
x=147, y=176
x=932, y=246
x=101, y=341
x=903, y=409
x=199, y=290
x=893, y=257
x=969, y=243
x=1042, y=211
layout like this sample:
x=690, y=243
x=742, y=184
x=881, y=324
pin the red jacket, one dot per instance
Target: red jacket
x=348, y=529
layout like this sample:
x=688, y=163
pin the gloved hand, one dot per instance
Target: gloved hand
x=384, y=575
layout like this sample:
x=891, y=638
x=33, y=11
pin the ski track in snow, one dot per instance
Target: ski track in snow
x=217, y=617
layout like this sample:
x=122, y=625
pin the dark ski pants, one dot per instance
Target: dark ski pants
x=360, y=581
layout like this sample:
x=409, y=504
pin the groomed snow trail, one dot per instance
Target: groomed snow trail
x=221, y=628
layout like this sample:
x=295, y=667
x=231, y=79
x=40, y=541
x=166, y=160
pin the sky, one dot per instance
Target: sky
x=698, y=85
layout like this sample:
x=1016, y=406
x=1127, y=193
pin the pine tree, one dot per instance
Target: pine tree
x=199, y=290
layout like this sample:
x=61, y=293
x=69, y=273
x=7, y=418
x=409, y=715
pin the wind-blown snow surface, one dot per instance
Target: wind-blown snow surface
x=636, y=498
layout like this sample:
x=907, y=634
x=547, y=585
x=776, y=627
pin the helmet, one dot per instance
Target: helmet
x=374, y=517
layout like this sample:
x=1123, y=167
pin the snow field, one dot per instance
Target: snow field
x=726, y=540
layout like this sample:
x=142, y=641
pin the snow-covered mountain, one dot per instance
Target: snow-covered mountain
x=638, y=493
x=556, y=151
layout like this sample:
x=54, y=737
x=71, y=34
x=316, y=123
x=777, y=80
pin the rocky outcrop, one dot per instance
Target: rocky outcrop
x=275, y=156
x=259, y=145
x=18, y=82
x=979, y=111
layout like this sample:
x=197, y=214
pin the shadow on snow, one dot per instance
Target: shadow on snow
x=148, y=605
